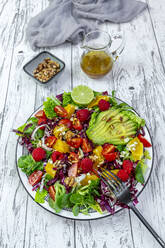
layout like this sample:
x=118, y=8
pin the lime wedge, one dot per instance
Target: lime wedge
x=82, y=95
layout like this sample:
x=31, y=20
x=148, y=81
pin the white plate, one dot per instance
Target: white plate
x=68, y=213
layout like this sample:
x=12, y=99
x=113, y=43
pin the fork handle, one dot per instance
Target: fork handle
x=138, y=214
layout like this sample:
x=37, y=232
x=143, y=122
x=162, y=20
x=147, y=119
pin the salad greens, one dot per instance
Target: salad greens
x=67, y=99
x=141, y=167
x=40, y=195
x=60, y=190
x=77, y=140
x=28, y=165
x=139, y=173
x=49, y=106
x=28, y=127
x=81, y=199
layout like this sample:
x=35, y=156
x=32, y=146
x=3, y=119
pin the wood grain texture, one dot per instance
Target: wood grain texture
x=138, y=78
x=141, y=68
x=25, y=223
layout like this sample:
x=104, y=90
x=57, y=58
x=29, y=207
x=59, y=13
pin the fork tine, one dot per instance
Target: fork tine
x=115, y=176
x=111, y=176
x=112, y=182
x=108, y=182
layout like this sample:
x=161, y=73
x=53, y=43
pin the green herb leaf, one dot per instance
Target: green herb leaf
x=75, y=210
x=60, y=190
x=147, y=155
x=47, y=179
x=139, y=173
x=28, y=165
x=76, y=198
x=120, y=148
x=40, y=196
x=97, y=93
x=89, y=199
x=33, y=120
x=112, y=99
x=65, y=202
x=48, y=154
x=39, y=134
x=96, y=207
x=29, y=130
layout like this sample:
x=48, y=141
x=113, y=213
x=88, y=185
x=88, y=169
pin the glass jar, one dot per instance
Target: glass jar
x=97, y=58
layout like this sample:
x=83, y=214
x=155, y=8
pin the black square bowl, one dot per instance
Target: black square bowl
x=33, y=63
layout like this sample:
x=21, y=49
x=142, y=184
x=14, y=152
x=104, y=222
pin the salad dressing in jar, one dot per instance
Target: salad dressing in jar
x=97, y=60
x=96, y=63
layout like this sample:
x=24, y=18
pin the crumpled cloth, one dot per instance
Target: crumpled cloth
x=70, y=20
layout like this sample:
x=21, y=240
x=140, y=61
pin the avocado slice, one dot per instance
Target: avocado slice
x=114, y=126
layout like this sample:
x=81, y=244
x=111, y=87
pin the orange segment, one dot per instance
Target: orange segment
x=97, y=99
x=136, y=148
x=49, y=169
x=87, y=179
x=70, y=110
x=98, y=152
x=61, y=146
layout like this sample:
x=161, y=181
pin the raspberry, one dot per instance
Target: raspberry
x=57, y=156
x=104, y=105
x=86, y=164
x=128, y=166
x=38, y=154
x=83, y=114
x=123, y=175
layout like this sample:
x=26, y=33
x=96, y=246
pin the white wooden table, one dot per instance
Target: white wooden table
x=138, y=78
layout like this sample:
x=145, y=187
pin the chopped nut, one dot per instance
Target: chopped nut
x=69, y=181
x=66, y=181
x=69, y=135
x=46, y=70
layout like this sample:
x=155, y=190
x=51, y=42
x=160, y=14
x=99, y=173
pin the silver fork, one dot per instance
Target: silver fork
x=122, y=194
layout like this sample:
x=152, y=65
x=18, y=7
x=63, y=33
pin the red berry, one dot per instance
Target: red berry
x=38, y=154
x=57, y=156
x=104, y=105
x=83, y=114
x=123, y=175
x=128, y=166
x=86, y=164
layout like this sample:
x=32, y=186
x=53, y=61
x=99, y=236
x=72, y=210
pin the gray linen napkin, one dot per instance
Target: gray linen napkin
x=69, y=20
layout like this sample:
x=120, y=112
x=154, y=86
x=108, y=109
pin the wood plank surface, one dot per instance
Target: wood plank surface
x=138, y=78
x=25, y=223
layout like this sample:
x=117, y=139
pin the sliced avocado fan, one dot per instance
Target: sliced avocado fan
x=115, y=126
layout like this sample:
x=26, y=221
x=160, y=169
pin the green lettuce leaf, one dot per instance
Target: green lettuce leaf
x=40, y=196
x=30, y=129
x=76, y=210
x=93, y=119
x=112, y=99
x=28, y=165
x=139, y=173
x=60, y=192
x=49, y=105
x=67, y=99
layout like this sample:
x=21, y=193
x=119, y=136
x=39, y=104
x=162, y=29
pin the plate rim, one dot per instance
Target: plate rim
x=101, y=216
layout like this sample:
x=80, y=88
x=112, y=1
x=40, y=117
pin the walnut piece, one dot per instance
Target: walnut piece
x=70, y=181
x=46, y=70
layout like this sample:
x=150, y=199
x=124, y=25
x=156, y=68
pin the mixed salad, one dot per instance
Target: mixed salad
x=76, y=134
